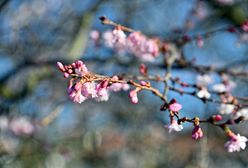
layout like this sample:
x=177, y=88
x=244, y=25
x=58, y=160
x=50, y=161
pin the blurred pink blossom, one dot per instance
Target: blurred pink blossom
x=94, y=35
x=118, y=86
x=21, y=126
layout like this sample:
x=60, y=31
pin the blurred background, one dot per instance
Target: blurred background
x=57, y=133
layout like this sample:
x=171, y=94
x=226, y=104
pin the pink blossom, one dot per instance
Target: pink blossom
x=62, y=68
x=174, y=126
x=89, y=89
x=108, y=39
x=149, y=50
x=94, y=35
x=136, y=43
x=79, y=92
x=80, y=68
x=203, y=93
x=102, y=95
x=76, y=96
x=197, y=132
x=79, y=89
x=236, y=143
x=244, y=26
x=140, y=46
x=21, y=126
x=133, y=96
x=143, y=69
x=116, y=87
x=75, y=93
x=66, y=75
x=119, y=39
x=174, y=106
x=199, y=41
x=135, y=39
x=152, y=47
x=143, y=83
x=146, y=57
x=102, y=92
x=125, y=87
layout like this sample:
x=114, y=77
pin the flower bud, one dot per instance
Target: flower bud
x=197, y=133
x=61, y=66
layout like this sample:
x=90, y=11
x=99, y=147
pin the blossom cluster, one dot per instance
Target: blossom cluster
x=18, y=126
x=224, y=88
x=83, y=84
x=234, y=144
x=203, y=81
x=135, y=43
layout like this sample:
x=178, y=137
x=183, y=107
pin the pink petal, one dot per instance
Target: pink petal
x=175, y=107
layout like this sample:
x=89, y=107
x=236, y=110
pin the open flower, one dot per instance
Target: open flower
x=119, y=39
x=76, y=95
x=236, y=143
x=102, y=91
x=108, y=39
x=226, y=108
x=242, y=112
x=203, y=93
x=219, y=88
x=80, y=68
x=174, y=106
x=174, y=126
x=75, y=92
x=89, y=89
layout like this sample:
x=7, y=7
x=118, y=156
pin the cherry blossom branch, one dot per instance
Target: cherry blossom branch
x=85, y=84
x=158, y=78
